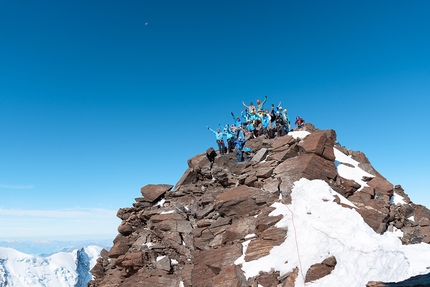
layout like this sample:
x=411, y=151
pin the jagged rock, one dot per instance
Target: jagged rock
x=320, y=143
x=399, y=190
x=120, y=246
x=271, y=185
x=152, y=192
x=416, y=234
x=309, y=166
x=209, y=263
x=260, y=155
x=230, y=276
x=319, y=270
x=346, y=187
x=262, y=245
x=239, y=229
x=382, y=187
x=289, y=279
x=267, y=279
x=190, y=176
x=196, y=235
x=283, y=142
x=124, y=213
x=241, y=200
x=265, y=172
x=164, y=263
x=125, y=228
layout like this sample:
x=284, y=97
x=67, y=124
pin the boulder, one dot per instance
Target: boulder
x=320, y=143
x=153, y=192
x=319, y=270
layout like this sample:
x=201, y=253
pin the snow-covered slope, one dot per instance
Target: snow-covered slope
x=321, y=228
x=62, y=269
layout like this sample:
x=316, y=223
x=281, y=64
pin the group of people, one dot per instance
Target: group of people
x=256, y=122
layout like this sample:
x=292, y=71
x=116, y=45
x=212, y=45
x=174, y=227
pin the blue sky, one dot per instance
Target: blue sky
x=100, y=98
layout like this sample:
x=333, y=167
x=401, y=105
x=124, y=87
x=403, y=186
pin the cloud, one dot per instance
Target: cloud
x=16, y=186
x=77, y=213
x=62, y=223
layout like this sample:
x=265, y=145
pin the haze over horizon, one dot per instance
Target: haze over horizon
x=99, y=99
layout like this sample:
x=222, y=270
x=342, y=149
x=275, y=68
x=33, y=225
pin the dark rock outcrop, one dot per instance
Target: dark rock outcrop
x=191, y=235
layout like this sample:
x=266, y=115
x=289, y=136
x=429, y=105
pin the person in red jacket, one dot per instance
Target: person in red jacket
x=299, y=122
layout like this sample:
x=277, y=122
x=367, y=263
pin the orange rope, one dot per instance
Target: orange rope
x=297, y=245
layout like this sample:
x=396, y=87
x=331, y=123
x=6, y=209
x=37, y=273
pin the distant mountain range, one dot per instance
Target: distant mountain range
x=61, y=269
x=48, y=247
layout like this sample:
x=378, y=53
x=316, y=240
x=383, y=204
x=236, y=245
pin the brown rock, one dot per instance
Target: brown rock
x=264, y=172
x=231, y=276
x=289, y=279
x=152, y=192
x=268, y=279
x=282, y=141
x=381, y=185
x=239, y=229
x=375, y=219
x=190, y=176
x=261, y=246
x=320, y=143
x=271, y=185
x=164, y=263
x=120, y=246
x=319, y=270
x=260, y=155
x=310, y=166
x=238, y=201
x=209, y=263
x=125, y=228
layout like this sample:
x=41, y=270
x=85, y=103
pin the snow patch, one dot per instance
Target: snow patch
x=397, y=199
x=298, y=134
x=319, y=228
x=354, y=173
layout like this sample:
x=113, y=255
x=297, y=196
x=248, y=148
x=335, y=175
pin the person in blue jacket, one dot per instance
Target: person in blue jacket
x=219, y=139
x=239, y=142
x=265, y=121
x=230, y=132
x=238, y=123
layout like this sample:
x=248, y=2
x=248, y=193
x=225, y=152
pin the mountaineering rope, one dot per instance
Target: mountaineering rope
x=297, y=245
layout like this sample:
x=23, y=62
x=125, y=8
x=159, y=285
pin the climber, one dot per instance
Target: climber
x=238, y=124
x=251, y=108
x=260, y=105
x=239, y=142
x=299, y=122
x=219, y=140
x=265, y=121
x=280, y=124
x=230, y=136
x=211, y=154
x=286, y=120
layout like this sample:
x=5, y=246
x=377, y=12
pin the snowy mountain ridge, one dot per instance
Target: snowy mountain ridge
x=61, y=269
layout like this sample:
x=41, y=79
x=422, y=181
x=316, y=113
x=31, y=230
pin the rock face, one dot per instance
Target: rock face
x=191, y=235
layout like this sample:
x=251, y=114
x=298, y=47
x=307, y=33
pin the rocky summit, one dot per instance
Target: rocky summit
x=220, y=217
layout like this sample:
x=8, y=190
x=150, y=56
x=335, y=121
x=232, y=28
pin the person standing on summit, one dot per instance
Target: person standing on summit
x=260, y=105
x=251, y=108
x=219, y=140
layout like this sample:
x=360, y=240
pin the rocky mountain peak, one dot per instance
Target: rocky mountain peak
x=195, y=233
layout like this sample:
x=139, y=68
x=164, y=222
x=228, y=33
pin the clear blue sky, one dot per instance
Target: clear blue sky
x=99, y=98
